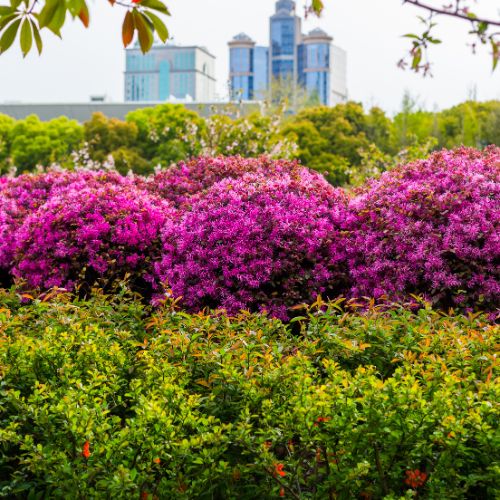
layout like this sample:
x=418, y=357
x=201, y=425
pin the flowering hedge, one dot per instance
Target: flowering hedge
x=264, y=234
x=432, y=228
x=88, y=232
x=258, y=242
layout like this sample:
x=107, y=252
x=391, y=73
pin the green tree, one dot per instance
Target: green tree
x=36, y=143
x=107, y=137
x=330, y=138
x=6, y=124
x=167, y=133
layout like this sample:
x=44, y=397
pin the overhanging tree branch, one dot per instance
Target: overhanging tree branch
x=457, y=12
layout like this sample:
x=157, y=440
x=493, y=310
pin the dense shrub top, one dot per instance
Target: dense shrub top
x=101, y=399
x=431, y=227
x=180, y=182
x=258, y=242
x=90, y=231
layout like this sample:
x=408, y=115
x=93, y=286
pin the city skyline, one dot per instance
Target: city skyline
x=94, y=62
x=308, y=60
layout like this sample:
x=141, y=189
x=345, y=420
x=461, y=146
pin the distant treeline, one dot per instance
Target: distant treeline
x=345, y=142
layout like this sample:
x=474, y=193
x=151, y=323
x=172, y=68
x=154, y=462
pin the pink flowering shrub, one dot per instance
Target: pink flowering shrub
x=20, y=196
x=180, y=182
x=258, y=242
x=431, y=227
x=96, y=232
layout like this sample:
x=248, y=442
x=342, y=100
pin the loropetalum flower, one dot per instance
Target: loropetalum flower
x=20, y=196
x=432, y=228
x=180, y=182
x=258, y=242
x=80, y=235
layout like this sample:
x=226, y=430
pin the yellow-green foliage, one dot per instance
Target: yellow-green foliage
x=101, y=399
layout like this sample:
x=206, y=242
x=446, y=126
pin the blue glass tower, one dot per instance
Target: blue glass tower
x=315, y=57
x=247, y=68
x=310, y=61
x=284, y=36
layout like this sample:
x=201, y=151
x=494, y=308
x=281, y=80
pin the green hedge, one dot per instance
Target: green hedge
x=102, y=399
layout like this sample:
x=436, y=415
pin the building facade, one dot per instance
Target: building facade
x=170, y=73
x=248, y=72
x=311, y=60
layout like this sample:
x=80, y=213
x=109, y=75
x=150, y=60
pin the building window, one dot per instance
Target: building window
x=241, y=60
x=283, y=37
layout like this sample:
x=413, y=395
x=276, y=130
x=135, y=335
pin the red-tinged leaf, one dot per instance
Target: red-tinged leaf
x=84, y=15
x=128, y=28
x=112, y=2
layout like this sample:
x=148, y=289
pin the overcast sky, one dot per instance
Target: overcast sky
x=92, y=61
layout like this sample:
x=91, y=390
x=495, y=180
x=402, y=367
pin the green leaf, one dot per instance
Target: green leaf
x=74, y=7
x=317, y=6
x=411, y=35
x=496, y=53
x=37, y=37
x=417, y=57
x=7, y=20
x=58, y=19
x=159, y=26
x=144, y=30
x=47, y=13
x=9, y=36
x=156, y=5
x=26, y=38
x=15, y=3
x=5, y=10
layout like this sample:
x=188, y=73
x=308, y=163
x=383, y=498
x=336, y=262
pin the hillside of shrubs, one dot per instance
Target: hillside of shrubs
x=345, y=143
x=240, y=327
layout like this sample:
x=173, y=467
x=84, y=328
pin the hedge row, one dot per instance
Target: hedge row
x=105, y=399
x=258, y=234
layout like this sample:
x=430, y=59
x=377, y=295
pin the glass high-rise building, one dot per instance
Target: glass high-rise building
x=170, y=72
x=248, y=72
x=311, y=60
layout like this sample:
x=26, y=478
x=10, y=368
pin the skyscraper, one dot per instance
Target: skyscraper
x=248, y=70
x=311, y=60
x=170, y=72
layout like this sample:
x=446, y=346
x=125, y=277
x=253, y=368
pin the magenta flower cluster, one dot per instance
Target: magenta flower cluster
x=258, y=242
x=68, y=229
x=431, y=228
x=21, y=196
x=261, y=234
